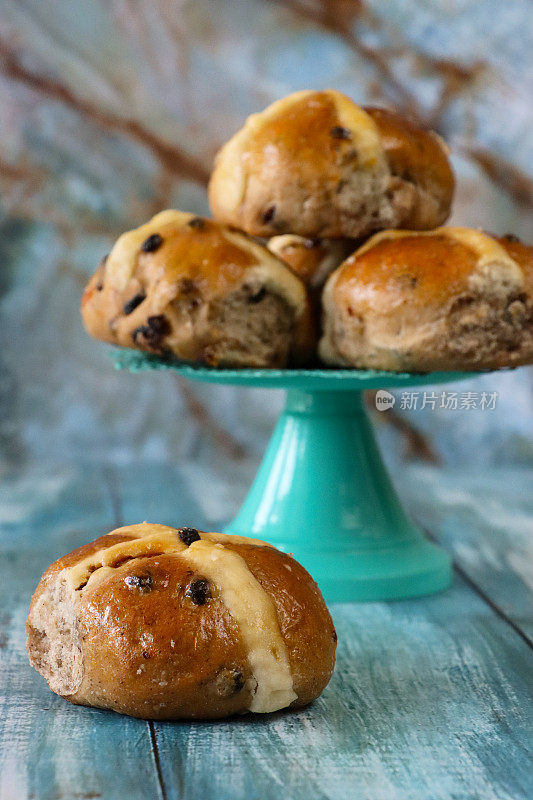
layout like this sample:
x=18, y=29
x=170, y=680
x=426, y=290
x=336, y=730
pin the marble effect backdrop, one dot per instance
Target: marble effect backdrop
x=111, y=111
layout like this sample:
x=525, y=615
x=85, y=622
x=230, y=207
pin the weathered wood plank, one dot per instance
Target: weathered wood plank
x=486, y=521
x=48, y=748
x=431, y=699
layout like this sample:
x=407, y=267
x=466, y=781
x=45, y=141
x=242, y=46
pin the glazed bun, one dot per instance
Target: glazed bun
x=165, y=623
x=449, y=299
x=313, y=260
x=418, y=161
x=318, y=165
x=188, y=287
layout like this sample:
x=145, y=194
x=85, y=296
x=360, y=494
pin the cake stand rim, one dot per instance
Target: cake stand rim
x=326, y=379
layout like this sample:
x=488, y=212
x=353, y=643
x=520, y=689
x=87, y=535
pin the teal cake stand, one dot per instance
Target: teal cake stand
x=322, y=492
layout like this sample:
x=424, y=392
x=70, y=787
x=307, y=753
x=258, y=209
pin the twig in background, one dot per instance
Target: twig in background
x=171, y=156
x=340, y=18
x=417, y=445
x=208, y=423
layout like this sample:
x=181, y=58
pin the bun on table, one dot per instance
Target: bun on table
x=169, y=623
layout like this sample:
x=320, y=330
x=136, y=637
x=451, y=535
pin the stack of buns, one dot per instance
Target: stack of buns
x=325, y=246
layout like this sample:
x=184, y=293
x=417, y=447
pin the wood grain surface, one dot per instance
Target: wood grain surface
x=430, y=700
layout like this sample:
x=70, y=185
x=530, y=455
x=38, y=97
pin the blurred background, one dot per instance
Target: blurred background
x=111, y=111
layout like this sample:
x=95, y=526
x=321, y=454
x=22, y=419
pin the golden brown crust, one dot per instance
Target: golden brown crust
x=72, y=558
x=163, y=654
x=451, y=299
x=317, y=165
x=186, y=286
x=148, y=647
x=433, y=268
x=419, y=158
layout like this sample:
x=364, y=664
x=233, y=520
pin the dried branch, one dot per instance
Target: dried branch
x=206, y=421
x=455, y=79
x=21, y=182
x=338, y=19
x=504, y=174
x=21, y=173
x=171, y=156
x=417, y=446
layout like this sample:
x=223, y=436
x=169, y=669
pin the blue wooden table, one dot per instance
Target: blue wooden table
x=431, y=699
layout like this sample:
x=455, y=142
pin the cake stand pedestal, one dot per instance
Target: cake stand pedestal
x=322, y=492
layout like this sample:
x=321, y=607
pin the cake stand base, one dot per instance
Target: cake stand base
x=322, y=494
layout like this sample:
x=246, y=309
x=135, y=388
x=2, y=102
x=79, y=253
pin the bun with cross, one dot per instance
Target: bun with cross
x=448, y=299
x=318, y=165
x=187, y=287
x=169, y=623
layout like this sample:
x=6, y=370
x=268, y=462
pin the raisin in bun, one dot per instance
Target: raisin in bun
x=449, y=299
x=166, y=623
x=186, y=286
x=318, y=165
x=313, y=260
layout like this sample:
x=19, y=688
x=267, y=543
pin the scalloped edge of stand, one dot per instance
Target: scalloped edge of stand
x=309, y=379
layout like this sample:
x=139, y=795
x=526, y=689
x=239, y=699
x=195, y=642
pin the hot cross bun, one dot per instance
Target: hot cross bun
x=165, y=623
x=187, y=287
x=318, y=165
x=449, y=299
